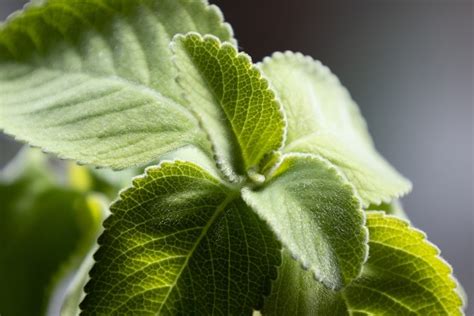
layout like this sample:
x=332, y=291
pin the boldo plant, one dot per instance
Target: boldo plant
x=262, y=193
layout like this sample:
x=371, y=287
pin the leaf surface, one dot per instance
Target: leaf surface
x=323, y=119
x=45, y=231
x=404, y=275
x=244, y=120
x=296, y=292
x=316, y=215
x=92, y=80
x=181, y=242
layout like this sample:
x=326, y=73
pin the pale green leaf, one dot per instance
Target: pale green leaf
x=404, y=275
x=244, y=120
x=315, y=213
x=45, y=231
x=92, y=80
x=181, y=242
x=323, y=119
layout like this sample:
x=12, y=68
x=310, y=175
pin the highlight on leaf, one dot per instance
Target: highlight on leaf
x=181, y=242
x=404, y=275
x=263, y=191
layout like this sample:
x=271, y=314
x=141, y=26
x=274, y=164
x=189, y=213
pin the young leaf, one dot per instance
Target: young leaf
x=403, y=276
x=93, y=80
x=181, y=242
x=234, y=102
x=323, y=119
x=314, y=212
x=45, y=231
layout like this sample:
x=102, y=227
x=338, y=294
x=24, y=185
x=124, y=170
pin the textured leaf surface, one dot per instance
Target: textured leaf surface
x=180, y=242
x=316, y=215
x=323, y=119
x=403, y=276
x=93, y=80
x=296, y=292
x=234, y=102
x=44, y=233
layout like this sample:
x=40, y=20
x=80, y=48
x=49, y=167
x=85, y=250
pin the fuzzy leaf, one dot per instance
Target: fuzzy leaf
x=92, y=80
x=234, y=102
x=315, y=214
x=296, y=292
x=403, y=276
x=323, y=119
x=45, y=231
x=181, y=242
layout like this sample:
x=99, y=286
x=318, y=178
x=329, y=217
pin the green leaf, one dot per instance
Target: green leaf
x=105, y=181
x=244, y=120
x=93, y=80
x=45, y=231
x=403, y=276
x=323, y=119
x=314, y=212
x=296, y=292
x=181, y=242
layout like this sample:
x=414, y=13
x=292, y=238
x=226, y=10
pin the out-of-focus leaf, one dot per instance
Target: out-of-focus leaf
x=45, y=231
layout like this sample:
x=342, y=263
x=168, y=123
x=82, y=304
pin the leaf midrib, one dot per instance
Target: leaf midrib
x=231, y=197
x=236, y=145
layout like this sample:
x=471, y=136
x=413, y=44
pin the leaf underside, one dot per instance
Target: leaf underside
x=93, y=81
x=316, y=215
x=180, y=242
x=403, y=276
x=323, y=119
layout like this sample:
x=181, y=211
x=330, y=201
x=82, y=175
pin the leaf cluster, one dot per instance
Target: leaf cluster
x=263, y=190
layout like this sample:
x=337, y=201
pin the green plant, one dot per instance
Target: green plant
x=263, y=192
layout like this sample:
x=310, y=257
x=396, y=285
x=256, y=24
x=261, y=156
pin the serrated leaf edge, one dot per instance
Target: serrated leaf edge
x=209, y=9
x=424, y=240
x=332, y=168
x=316, y=67
x=220, y=163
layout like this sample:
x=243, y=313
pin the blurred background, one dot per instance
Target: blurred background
x=409, y=65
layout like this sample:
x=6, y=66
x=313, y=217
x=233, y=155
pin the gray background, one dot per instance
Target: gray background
x=409, y=65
